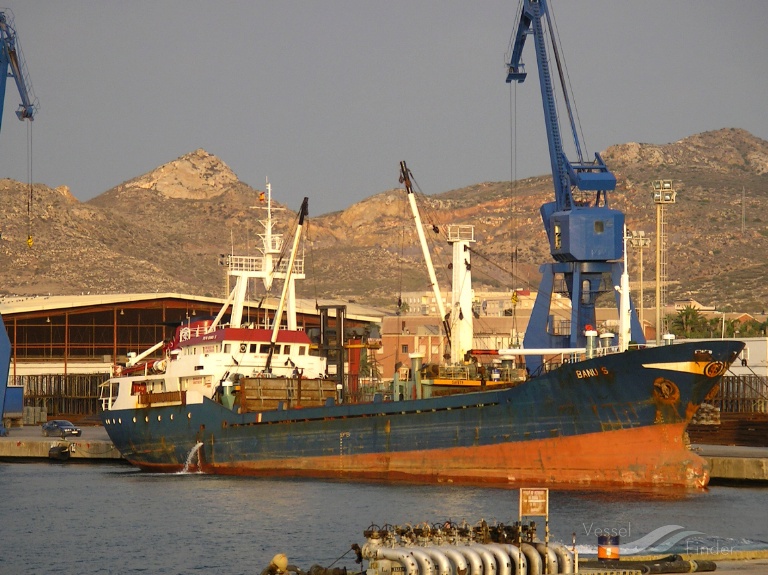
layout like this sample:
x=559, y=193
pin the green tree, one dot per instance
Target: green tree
x=689, y=323
x=721, y=327
x=369, y=367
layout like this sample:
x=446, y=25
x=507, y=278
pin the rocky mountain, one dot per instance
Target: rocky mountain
x=164, y=231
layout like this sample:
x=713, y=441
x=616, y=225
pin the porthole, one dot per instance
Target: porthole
x=171, y=417
x=146, y=419
x=159, y=417
x=134, y=420
x=189, y=416
x=120, y=421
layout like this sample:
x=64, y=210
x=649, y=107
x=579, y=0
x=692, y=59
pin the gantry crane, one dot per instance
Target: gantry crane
x=586, y=237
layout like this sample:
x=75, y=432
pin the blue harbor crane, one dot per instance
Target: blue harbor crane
x=586, y=237
x=12, y=65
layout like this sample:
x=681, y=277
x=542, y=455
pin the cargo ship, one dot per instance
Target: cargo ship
x=617, y=419
x=227, y=397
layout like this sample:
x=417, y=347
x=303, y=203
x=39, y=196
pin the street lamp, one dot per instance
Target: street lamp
x=663, y=194
x=639, y=241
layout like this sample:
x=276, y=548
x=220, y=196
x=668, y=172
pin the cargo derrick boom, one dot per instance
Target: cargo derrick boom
x=585, y=235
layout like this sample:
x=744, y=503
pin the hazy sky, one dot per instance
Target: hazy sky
x=325, y=97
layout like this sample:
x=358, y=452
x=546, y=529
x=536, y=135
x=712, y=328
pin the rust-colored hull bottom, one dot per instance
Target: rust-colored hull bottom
x=653, y=455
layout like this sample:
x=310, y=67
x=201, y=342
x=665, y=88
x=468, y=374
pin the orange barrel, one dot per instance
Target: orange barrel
x=608, y=547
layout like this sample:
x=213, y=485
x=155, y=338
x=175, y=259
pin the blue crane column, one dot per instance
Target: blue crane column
x=585, y=235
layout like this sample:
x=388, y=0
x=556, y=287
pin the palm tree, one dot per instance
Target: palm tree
x=689, y=323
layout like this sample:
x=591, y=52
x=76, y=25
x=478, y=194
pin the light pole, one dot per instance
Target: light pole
x=639, y=241
x=663, y=194
x=722, y=324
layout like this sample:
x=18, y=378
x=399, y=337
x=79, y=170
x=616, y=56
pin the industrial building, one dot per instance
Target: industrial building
x=64, y=347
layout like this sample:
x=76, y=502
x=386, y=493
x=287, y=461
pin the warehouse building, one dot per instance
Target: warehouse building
x=64, y=347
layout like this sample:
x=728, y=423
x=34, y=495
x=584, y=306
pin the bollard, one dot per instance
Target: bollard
x=608, y=547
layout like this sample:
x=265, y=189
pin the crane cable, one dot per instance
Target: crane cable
x=567, y=86
x=401, y=309
x=431, y=219
x=30, y=241
x=557, y=308
x=515, y=221
x=309, y=240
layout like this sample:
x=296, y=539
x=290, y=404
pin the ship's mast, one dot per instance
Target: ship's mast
x=462, y=324
x=272, y=244
x=267, y=266
x=625, y=311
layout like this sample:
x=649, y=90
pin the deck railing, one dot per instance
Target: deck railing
x=148, y=399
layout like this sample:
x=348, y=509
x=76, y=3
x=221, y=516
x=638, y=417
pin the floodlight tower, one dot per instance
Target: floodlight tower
x=663, y=194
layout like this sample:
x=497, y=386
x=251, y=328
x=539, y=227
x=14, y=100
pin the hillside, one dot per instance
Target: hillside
x=164, y=231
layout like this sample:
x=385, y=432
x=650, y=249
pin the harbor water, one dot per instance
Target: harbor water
x=112, y=518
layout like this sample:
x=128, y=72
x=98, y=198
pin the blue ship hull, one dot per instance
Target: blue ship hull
x=617, y=419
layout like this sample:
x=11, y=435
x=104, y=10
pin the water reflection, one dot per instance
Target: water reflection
x=236, y=524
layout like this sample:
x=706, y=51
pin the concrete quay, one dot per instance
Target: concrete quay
x=735, y=462
x=743, y=567
x=753, y=563
x=744, y=562
x=27, y=442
